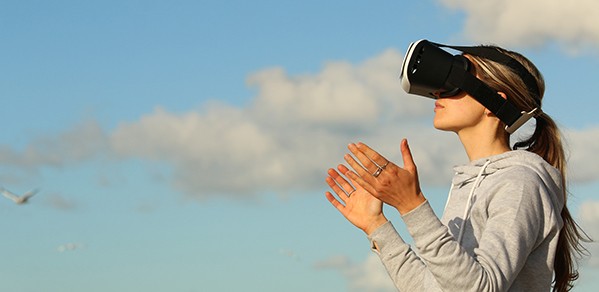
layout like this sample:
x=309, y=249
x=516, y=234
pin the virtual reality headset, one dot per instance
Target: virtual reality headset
x=432, y=72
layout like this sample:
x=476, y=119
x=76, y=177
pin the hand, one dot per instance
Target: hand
x=359, y=207
x=396, y=186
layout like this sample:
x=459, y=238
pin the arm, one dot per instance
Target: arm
x=407, y=271
x=365, y=211
x=510, y=234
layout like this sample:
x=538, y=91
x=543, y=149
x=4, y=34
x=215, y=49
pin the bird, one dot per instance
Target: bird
x=19, y=200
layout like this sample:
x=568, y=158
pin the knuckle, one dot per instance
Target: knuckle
x=385, y=181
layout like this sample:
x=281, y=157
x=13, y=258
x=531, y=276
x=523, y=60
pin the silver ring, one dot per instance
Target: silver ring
x=384, y=165
x=352, y=191
x=378, y=172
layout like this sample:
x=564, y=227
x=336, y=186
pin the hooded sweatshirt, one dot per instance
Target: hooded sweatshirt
x=499, y=231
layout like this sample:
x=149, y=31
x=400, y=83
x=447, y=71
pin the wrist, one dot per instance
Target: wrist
x=413, y=204
x=375, y=224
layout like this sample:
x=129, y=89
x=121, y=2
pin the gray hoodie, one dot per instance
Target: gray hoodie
x=499, y=230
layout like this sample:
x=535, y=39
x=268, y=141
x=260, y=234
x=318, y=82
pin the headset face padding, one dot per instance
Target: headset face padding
x=449, y=90
x=426, y=69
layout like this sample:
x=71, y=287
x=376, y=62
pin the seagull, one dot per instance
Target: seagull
x=19, y=200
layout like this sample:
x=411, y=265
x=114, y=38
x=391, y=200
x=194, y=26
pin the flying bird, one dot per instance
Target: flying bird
x=19, y=200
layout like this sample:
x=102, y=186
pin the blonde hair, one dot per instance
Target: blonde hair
x=545, y=141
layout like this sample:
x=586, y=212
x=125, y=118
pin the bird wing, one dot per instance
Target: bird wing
x=10, y=195
x=29, y=194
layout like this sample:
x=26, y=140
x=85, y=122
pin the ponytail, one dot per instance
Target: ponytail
x=546, y=142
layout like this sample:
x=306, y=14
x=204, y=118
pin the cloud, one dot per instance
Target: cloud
x=59, y=202
x=574, y=25
x=581, y=145
x=289, y=254
x=295, y=128
x=589, y=221
x=71, y=246
x=367, y=276
x=83, y=142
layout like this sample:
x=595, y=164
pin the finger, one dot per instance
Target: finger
x=338, y=184
x=359, y=170
x=342, y=168
x=341, y=181
x=408, y=160
x=331, y=198
x=372, y=155
x=340, y=193
x=357, y=166
x=334, y=185
x=359, y=181
x=369, y=165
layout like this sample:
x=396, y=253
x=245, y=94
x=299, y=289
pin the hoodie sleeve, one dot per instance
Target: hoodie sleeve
x=510, y=234
x=401, y=262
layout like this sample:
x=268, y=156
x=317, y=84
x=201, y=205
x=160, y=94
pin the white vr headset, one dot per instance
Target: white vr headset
x=430, y=71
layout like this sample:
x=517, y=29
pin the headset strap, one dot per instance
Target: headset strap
x=497, y=56
x=501, y=107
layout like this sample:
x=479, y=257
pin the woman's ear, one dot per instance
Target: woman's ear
x=488, y=112
x=502, y=94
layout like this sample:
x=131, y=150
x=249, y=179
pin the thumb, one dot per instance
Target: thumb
x=408, y=161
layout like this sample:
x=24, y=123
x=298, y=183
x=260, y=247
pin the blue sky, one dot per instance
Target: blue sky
x=183, y=145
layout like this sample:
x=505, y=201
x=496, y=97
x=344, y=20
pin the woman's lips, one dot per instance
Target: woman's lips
x=438, y=106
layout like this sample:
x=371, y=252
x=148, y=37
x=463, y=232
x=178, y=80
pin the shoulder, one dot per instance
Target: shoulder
x=515, y=175
x=524, y=184
x=524, y=168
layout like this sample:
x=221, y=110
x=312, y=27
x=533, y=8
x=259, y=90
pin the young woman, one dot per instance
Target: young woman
x=506, y=226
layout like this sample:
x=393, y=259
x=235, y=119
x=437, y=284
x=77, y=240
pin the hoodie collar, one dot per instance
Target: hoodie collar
x=467, y=173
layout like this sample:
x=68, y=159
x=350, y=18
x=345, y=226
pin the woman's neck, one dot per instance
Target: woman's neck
x=480, y=143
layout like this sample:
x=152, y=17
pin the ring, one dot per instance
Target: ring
x=384, y=165
x=378, y=172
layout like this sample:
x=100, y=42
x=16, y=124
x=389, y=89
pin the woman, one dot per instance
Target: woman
x=506, y=226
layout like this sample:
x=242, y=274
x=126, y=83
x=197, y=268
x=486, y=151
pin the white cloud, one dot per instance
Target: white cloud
x=83, y=142
x=294, y=130
x=581, y=145
x=71, y=246
x=573, y=24
x=589, y=221
x=296, y=127
x=367, y=276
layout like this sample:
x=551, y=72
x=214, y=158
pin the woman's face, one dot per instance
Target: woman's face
x=457, y=112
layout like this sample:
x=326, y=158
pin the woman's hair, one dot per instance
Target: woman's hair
x=546, y=142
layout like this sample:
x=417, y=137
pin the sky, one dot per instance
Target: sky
x=183, y=145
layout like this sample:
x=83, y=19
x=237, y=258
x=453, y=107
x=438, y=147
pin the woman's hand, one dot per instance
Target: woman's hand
x=357, y=205
x=396, y=186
